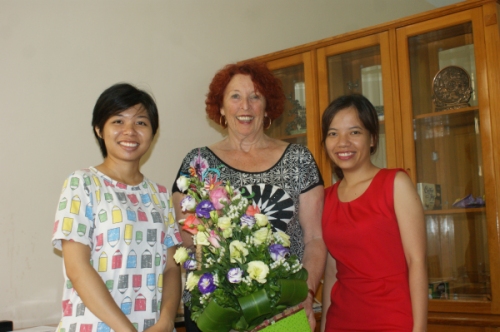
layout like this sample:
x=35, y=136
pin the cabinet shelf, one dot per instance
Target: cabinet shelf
x=448, y=112
x=455, y=211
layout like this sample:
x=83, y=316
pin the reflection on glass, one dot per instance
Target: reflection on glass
x=360, y=71
x=291, y=126
x=461, y=56
x=433, y=51
x=448, y=154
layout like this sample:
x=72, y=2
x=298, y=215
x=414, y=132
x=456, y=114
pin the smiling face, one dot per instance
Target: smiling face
x=347, y=141
x=243, y=107
x=127, y=134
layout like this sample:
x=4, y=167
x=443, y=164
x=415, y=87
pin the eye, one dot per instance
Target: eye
x=142, y=123
x=331, y=134
x=235, y=96
x=118, y=121
x=255, y=97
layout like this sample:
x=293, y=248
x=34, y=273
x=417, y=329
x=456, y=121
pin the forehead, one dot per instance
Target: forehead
x=350, y=114
x=135, y=111
x=240, y=81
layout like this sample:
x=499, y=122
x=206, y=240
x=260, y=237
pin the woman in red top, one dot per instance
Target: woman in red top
x=373, y=226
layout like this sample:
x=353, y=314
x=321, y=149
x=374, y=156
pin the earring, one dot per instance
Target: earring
x=225, y=121
x=270, y=122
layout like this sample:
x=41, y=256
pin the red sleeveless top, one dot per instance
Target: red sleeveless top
x=372, y=289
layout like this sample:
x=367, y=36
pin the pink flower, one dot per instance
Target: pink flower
x=252, y=210
x=217, y=196
x=214, y=239
x=190, y=224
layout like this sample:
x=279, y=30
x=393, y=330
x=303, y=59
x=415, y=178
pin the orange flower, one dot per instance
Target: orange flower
x=252, y=210
x=191, y=224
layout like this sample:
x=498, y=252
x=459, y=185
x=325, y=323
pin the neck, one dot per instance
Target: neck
x=353, y=177
x=123, y=172
x=247, y=143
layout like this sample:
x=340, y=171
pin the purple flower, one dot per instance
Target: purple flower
x=234, y=275
x=247, y=220
x=206, y=283
x=203, y=209
x=278, y=252
x=191, y=263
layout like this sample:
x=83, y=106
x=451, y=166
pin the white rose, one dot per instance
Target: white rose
x=182, y=183
x=261, y=236
x=261, y=219
x=258, y=270
x=227, y=233
x=192, y=281
x=224, y=223
x=202, y=238
x=181, y=255
x=282, y=238
x=237, y=251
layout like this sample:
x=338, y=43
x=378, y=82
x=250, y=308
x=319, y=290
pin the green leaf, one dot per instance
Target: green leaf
x=293, y=291
x=216, y=318
x=302, y=274
x=255, y=305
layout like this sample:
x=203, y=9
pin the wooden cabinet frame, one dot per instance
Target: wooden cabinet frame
x=444, y=315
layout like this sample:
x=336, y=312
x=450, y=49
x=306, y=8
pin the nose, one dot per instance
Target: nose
x=129, y=128
x=245, y=103
x=344, y=140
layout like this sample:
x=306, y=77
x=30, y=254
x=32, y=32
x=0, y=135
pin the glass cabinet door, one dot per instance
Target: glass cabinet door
x=298, y=124
x=360, y=66
x=443, y=125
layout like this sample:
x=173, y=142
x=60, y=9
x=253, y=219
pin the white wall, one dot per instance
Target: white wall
x=56, y=57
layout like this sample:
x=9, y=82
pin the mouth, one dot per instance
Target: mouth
x=245, y=118
x=345, y=155
x=129, y=144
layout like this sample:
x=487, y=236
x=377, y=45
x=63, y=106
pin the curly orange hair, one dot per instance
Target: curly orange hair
x=264, y=82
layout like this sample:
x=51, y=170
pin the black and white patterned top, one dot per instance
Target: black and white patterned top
x=276, y=190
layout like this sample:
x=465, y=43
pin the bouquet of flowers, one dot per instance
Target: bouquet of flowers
x=242, y=272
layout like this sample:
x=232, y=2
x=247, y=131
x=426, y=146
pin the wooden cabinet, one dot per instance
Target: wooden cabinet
x=435, y=81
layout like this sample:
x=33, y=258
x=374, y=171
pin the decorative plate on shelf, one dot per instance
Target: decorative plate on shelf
x=452, y=89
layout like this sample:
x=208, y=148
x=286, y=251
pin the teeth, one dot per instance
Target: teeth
x=245, y=118
x=128, y=144
x=344, y=154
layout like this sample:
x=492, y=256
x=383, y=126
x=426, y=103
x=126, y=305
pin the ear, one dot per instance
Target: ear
x=98, y=132
x=372, y=141
x=221, y=110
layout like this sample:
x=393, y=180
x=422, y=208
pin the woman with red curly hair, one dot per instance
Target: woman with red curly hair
x=245, y=98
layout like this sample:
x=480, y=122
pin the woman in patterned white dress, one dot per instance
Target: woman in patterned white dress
x=117, y=229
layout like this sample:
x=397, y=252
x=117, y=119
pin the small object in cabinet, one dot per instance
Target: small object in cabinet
x=439, y=290
x=430, y=195
x=298, y=124
x=380, y=112
x=469, y=201
x=451, y=88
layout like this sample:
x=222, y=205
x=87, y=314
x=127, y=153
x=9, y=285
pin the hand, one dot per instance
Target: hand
x=161, y=326
x=308, y=306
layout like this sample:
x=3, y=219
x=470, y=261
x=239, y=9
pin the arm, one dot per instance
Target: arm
x=91, y=288
x=310, y=212
x=411, y=223
x=170, y=299
x=329, y=281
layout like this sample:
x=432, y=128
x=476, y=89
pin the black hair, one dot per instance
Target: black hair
x=116, y=99
x=366, y=113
